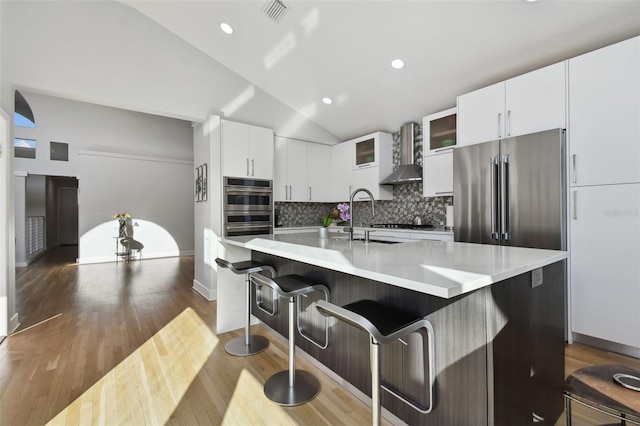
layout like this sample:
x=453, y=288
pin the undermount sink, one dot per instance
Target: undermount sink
x=371, y=240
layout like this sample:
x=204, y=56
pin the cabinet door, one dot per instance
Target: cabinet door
x=341, y=166
x=604, y=106
x=297, y=170
x=605, y=275
x=261, y=152
x=280, y=180
x=481, y=115
x=318, y=172
x=536, y=101
x=439, y=132
x=235, y=149
x=437, y=172
x=369, y=178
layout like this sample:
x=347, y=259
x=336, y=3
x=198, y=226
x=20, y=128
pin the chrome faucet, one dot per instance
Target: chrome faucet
x=373, y=208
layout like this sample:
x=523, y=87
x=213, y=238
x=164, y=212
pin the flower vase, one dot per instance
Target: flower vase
x=324, y=232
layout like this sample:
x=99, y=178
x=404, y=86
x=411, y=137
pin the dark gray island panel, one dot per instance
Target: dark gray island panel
x=486, y=342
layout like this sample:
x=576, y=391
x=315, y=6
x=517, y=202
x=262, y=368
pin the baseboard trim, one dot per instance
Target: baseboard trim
x=204, y=291
x=145, y=256
x=392, y=418
x=607, y=345
x=14, y=323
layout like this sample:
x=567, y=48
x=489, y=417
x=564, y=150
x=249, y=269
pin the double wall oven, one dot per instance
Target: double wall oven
x=248, y=206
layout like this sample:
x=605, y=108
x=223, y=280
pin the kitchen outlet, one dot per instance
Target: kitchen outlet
x=536, y=277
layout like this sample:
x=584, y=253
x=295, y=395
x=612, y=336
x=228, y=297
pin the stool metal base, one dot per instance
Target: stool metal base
x=305, y=388
x=238, y=347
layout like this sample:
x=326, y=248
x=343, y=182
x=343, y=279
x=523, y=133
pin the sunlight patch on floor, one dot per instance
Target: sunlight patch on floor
x=245, y=409
x=148, y=385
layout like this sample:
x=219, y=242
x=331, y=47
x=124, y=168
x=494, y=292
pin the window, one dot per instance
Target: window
x=22, y=121
x=24, y=148
x=23, y=116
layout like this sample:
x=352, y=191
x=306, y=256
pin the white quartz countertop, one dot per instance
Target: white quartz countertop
x=438, y=268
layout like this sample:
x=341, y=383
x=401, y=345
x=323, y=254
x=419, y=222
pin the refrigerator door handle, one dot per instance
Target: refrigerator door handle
x=504, y=189
x=493, y=164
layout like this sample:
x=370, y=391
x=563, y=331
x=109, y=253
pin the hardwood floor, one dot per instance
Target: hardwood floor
x=133, y=343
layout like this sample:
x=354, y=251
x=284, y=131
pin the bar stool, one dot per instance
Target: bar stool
x=292, y=387
x=384, y=324
x=247, y=344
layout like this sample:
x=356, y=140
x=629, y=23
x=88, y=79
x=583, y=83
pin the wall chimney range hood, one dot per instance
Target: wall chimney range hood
x=407, y=172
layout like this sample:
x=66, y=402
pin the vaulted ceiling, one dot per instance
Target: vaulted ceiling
x=343, y=49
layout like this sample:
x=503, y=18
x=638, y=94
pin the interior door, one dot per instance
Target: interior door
x=67, y=216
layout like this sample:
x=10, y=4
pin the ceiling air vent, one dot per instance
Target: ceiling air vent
x=275, y=10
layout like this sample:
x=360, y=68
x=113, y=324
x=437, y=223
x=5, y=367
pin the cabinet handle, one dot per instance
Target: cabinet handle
x=499, y=125
x=290, y=193
x=573, y=167
x=509, y=123
x=364, y=165
x=253, y=167
x=445, y=192
x=309, y=193
x=443, y=149
x=575, y=205
x=247, y=167
x=286, y=197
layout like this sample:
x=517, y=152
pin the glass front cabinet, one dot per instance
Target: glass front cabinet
x=439, y=133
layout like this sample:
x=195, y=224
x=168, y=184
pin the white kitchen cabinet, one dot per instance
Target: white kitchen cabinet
x=439, y=132
x=604, y=111
x=605, y=272
x=290, y=176
x=302, y=171
x=341, y=171
x=437, y=171
x=369, y=178
x=319, y=172
x=529, y=103
x=480, y=115
x=247, y=151
x=372, y=150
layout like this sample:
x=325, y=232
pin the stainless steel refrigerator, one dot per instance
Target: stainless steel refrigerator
x=512, y=191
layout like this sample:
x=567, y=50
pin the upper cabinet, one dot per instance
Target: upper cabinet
x=439, y=133
x=247, y=150
x=371, y=150
x=604, y=111
x=525, y=104
x=301, y=171
x=368, y=160
x=341, y=171
x=318, y=172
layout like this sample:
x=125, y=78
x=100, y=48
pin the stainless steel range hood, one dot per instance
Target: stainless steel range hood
x=407, y=172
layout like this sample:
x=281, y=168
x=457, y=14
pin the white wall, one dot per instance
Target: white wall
x=208, y=221
x=108, y=53
x=86, y=126
x=157, y=193
x=19, y=197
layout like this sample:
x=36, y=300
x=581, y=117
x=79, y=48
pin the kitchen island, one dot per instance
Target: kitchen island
x=497, y=312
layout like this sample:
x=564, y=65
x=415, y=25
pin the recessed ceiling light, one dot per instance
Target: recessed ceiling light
x=327, y=101
x=397, y=64
x=226, y=28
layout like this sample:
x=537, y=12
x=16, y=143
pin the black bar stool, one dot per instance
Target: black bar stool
x=384, y=324
x=292, y=387
x=247, y=344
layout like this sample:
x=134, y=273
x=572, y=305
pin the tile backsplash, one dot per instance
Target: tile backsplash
x=407, y=203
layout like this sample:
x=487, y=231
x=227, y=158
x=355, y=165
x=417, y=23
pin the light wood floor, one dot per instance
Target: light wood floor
x=132, y=343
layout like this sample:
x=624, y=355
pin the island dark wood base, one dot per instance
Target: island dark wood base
x=499, y=350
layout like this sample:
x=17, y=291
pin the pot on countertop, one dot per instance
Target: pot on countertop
x=417, y=220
